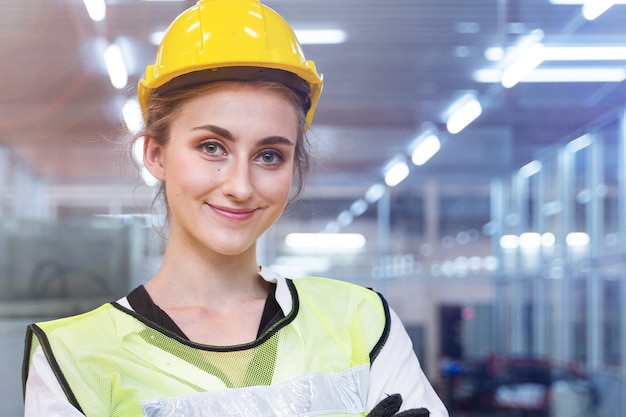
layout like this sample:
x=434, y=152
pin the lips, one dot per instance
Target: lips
x=233, y=213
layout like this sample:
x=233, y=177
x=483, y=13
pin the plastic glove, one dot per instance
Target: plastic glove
x=389, y=408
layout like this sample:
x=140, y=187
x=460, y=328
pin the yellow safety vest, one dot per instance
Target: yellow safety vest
x=314, y=362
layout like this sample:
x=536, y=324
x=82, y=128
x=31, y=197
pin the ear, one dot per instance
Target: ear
x=153, y=158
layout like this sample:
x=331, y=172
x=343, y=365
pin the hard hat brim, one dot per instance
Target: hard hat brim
x=289, y=79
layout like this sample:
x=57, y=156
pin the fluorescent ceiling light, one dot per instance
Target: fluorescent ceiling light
x=307, y=263
x=425, y=147
x=579, y=143
x=132, y=115
x=552, y=208
x=138, y=151
x=115, y=66
x=548, y=239
x=570, y=53
x=396, y=172
x=509, y=241
x=326, y=242
x=529, y=240
x=592, y=9
x=97, y=9
x=463, y=112
x=375, y=192
x=530, y=169
x=532, y=240
x=146, y=176
x=358, y=207
x=345, y=218
x=529, y=59
x=320, y=36
x=558, y=75
x=577, y=239
x=156, y=37
x=580, y=2
x=585, y=53
x=332, y=227
x=494, y=53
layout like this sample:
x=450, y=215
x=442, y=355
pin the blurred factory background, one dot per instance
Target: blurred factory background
x=469, y=163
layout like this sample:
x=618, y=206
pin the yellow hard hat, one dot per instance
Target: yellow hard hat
x=230, y=40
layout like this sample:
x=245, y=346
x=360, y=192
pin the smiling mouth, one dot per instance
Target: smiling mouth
x=233, y=214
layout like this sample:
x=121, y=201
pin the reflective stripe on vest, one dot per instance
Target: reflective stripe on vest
x=110, y=360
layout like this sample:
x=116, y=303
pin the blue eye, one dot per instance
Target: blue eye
x=268, y=157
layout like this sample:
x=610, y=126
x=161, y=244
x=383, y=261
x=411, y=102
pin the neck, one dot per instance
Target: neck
x=190, y=278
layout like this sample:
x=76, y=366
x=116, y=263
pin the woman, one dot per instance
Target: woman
x=226, y=106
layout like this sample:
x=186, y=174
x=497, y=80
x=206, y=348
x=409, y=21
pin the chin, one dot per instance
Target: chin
x=232, y=250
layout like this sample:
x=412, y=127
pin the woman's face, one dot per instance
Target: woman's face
x=227, y=167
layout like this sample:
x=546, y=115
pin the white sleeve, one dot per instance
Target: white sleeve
x=396, y=369
x=44, y=395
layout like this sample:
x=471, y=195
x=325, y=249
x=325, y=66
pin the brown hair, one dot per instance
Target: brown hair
x=163, y=108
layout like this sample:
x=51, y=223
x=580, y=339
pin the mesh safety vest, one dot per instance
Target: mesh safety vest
x=314, y=362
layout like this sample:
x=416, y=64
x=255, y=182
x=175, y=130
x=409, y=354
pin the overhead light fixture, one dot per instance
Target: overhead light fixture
x=548, y=239
x=132, y=115
x=345, y=218
x=494, y=53
x=375, y=192
x=579, y=143
x=530, y=169
x=303, y=262
x=558, y=75
x=463, y=112
x=606, y=74
x=425, y=146
x=97, y=9
x=529, y=58
x=138, y=151
x=580, y=2
x=592, y=9
x=358, y=207
x=396, y=171
x=115, y=66
x=577, y=239
x=156, y=37
x=146, y=176
x=529, y=240
x=570, y=53
x=585, y=53
x=320, y=36
x=332, y=227
x=509, y=241
x=326, y=242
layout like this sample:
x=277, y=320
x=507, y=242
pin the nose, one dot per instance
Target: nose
x=237, y=183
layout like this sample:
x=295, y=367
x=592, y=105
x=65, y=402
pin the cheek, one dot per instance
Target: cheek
x=278, y=187
x=193, y=181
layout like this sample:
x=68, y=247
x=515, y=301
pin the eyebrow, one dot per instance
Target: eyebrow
x=226, y=134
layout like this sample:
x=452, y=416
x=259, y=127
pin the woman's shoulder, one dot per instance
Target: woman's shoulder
x=332, y=291
x=95, y=323
x=327, y=284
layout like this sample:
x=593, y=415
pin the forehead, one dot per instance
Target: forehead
x=248, y=106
